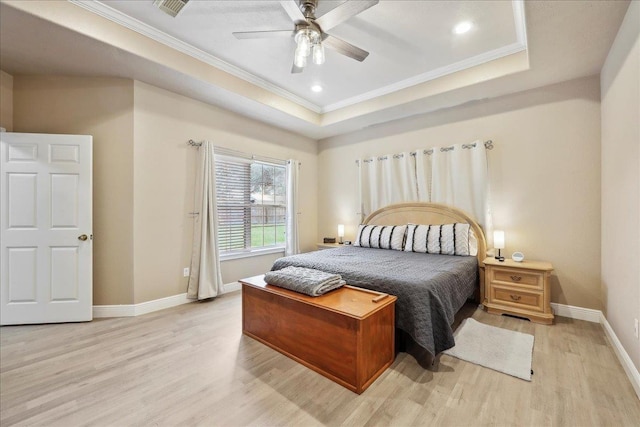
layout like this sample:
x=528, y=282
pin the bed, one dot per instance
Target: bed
x=431, y=288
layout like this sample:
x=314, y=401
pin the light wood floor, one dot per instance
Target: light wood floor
x=190, y=365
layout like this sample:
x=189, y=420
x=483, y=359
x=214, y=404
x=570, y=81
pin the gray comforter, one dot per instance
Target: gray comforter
x=430, y=288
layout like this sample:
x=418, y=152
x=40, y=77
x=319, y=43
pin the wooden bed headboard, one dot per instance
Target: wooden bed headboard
x=427, y=213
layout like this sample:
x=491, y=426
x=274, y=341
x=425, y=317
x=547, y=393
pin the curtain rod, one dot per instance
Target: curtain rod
x=488, y=144
x=230, y=152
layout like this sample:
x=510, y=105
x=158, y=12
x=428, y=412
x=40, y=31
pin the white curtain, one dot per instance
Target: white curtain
x=455, y=176
x=459, y=178
x=205, y=280
x=386, y=180
x=423, y=174
x=292, y=238
x=370, y=186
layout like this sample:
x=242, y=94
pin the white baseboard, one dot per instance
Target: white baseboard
x=623, y=356
x=130, y=310
x=122, y=310
x=578, y=313
x=160, y=304
x=231, y=287
x=597, y=316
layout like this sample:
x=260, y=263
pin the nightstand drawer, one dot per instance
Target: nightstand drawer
x=529, y=300
x=518, y=277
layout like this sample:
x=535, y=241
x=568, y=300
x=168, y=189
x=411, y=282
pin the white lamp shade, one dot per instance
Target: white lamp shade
x=498, y=239
x=340, y=230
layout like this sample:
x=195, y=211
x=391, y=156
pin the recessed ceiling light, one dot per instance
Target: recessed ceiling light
x=316, y=88
x=462, y=27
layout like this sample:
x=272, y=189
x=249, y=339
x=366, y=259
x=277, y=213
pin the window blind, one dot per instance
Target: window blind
x=251, y=202
x=233, y=197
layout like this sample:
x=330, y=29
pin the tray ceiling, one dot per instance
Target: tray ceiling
x=409, y=42
x=416, y=64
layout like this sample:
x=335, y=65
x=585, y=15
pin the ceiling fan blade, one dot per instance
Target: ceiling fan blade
x=343, y=12
x=293, y=10
x=263, y=34
x=345, y=48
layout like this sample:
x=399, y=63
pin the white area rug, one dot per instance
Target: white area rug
x=499, y=349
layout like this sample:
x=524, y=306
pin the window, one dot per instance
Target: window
x=251, y=201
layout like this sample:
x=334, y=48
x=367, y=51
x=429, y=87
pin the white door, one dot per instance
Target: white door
x=46, y=228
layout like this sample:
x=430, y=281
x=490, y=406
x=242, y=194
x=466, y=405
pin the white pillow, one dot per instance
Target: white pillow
x=380, y=236
x=446, y=239
x=473, y=242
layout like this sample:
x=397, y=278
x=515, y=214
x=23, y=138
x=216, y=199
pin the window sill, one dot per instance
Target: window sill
x=250, y=254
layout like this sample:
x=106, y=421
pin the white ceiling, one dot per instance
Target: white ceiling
x=408, y=41
x=411, y=44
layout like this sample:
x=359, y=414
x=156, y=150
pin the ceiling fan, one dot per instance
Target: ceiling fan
x=309, y=31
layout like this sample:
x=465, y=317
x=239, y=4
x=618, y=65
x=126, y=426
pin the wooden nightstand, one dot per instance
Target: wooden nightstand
x=519, y=288
x=328, y=245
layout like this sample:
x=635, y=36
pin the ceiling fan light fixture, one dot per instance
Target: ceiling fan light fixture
x=309, y=32
x=300, y=59
x=304, y=42
x=318, y=54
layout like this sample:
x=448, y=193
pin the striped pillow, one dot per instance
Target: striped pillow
x=446, y=239
x=380, y=236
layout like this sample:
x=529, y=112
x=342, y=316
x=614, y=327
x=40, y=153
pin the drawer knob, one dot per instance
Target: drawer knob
x=515, y=297
x=516, y=278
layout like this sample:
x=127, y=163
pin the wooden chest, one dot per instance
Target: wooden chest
x=344, y=335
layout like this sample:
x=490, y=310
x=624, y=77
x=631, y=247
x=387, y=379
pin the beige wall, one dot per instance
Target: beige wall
x=620, y=79
x=164, y=168
x=102, y=107
x=144, y=175
x=544, y=175
x=6, y=101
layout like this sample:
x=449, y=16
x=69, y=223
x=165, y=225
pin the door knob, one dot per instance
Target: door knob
x=83, y=237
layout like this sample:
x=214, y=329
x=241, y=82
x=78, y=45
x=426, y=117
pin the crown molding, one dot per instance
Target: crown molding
x=120, y=18
x=126, y=21
x=429, y=75
x=520, y=45
x=520, y=21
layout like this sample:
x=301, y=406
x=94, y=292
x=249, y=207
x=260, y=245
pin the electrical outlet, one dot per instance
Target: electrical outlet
x=185, y=272
x=635, y=328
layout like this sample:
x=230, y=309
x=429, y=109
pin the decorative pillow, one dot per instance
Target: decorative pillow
x=381, y=236
x=446, y=239
x=473, y=242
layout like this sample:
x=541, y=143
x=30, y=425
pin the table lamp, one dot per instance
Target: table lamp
x=498, y=243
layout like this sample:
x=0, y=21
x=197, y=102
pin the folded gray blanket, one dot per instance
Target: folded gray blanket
x=304, y=280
